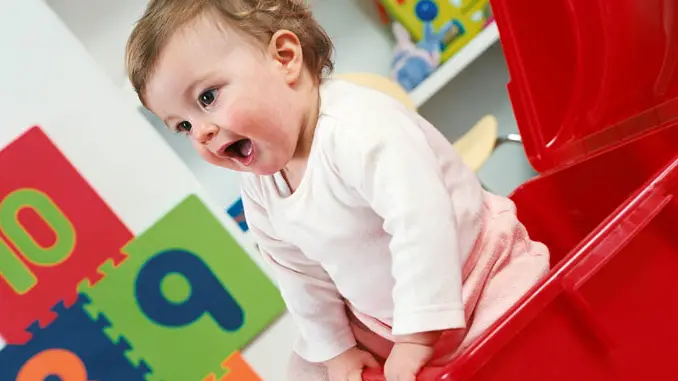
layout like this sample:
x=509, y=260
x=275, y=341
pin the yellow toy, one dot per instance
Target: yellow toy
x=441, y=25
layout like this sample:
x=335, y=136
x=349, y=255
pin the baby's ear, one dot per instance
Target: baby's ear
x=285, y=49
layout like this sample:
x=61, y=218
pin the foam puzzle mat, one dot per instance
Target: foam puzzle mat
x=83, y=298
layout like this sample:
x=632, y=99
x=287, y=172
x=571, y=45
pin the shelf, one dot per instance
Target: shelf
x=455, y=65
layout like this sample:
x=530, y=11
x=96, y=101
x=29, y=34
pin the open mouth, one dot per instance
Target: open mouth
x=240, y=150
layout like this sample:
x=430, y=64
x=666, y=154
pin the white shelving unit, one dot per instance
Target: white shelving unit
x=363, y=44
x=455, y=65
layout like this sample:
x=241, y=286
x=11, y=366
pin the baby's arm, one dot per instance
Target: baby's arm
x=310, y=295
x=388, y=160
x=390, y=163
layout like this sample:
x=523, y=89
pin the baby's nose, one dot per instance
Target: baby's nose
x=205, y=133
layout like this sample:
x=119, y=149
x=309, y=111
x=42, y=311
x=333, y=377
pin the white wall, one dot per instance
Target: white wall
x=48, y=78
x=102, y=26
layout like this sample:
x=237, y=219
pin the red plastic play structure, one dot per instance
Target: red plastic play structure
x=594, y=86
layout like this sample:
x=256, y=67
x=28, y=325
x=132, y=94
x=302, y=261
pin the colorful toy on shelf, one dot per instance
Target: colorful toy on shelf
x=412, y=63
x=383, y=14
x=450, y=24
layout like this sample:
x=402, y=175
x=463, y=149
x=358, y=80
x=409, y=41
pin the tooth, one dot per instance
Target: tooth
x=246, y=148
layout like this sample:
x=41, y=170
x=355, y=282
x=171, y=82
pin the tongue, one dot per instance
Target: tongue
x=246, y=148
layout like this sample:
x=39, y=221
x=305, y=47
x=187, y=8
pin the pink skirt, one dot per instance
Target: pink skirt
x=502, y=267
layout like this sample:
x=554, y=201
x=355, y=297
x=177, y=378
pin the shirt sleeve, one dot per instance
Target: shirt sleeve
x=310, y=295
x=387, y=159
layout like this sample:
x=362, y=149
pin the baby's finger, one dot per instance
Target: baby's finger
x=400, y=375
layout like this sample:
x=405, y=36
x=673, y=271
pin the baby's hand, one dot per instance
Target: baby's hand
x=406, y=360
x=409, y=354
x=349, y=365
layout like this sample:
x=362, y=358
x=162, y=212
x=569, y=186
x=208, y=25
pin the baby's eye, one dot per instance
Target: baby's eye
x=184, y=126
x=208, y=97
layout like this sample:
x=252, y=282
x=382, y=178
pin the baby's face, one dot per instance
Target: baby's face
x=231, y=98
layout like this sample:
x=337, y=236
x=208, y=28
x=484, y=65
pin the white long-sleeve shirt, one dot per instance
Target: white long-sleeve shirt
x=384, y=217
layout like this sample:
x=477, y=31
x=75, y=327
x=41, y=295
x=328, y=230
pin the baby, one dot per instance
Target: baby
x=385, y=247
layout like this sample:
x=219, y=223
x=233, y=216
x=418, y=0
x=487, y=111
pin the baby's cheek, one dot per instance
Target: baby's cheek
x=242, y=118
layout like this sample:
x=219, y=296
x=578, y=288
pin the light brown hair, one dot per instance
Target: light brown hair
x=257, y=18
